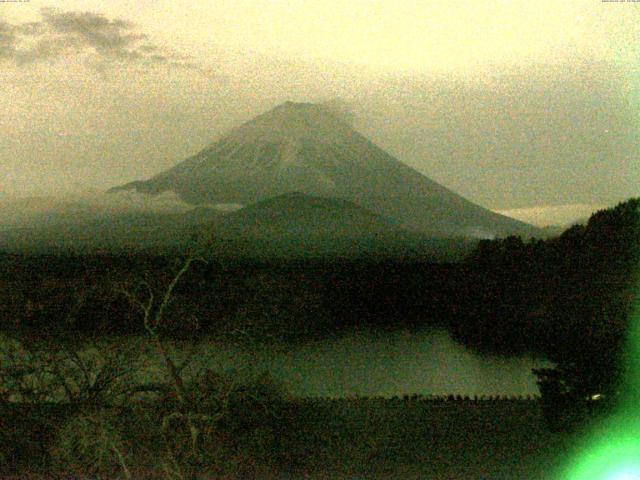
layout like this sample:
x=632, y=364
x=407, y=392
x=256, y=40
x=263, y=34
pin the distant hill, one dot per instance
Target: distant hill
x=299, y=214
x=97, y=221
x=308, y=148
x=292, y=225
x=123, y=232
x=298, y=225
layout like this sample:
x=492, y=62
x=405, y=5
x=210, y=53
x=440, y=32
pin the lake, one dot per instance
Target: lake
x=368, y=364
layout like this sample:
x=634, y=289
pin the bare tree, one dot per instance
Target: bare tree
x=153, y=307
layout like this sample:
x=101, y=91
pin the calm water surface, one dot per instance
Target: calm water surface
x=370, y=364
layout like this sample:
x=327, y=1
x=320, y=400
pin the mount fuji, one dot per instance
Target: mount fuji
x=311, y=149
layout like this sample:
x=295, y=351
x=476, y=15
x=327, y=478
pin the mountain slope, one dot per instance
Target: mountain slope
x=307, y=148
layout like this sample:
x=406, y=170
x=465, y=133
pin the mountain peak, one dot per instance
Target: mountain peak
x=295, y=121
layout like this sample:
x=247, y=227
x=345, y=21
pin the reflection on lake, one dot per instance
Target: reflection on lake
x=393, y=364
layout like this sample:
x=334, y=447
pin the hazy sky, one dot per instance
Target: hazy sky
x=510, y=103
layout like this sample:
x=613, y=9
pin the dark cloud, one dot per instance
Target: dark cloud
x=106, y=41
x=148, y=48
x=108, y=37
x=30, y=28
x=7, y=40
x=45, y=49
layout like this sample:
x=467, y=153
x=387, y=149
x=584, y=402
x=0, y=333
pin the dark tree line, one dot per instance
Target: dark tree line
x=570, y=298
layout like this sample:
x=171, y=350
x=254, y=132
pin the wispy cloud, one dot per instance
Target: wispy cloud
x=109, y=38
x=7, y=40
x=105, y=41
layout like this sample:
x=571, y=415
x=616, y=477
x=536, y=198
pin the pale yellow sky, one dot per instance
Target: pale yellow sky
x=510, y=103
x=416, y=36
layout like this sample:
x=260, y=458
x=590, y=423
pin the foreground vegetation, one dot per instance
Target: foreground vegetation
x=320, y=438
x=70, y=411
